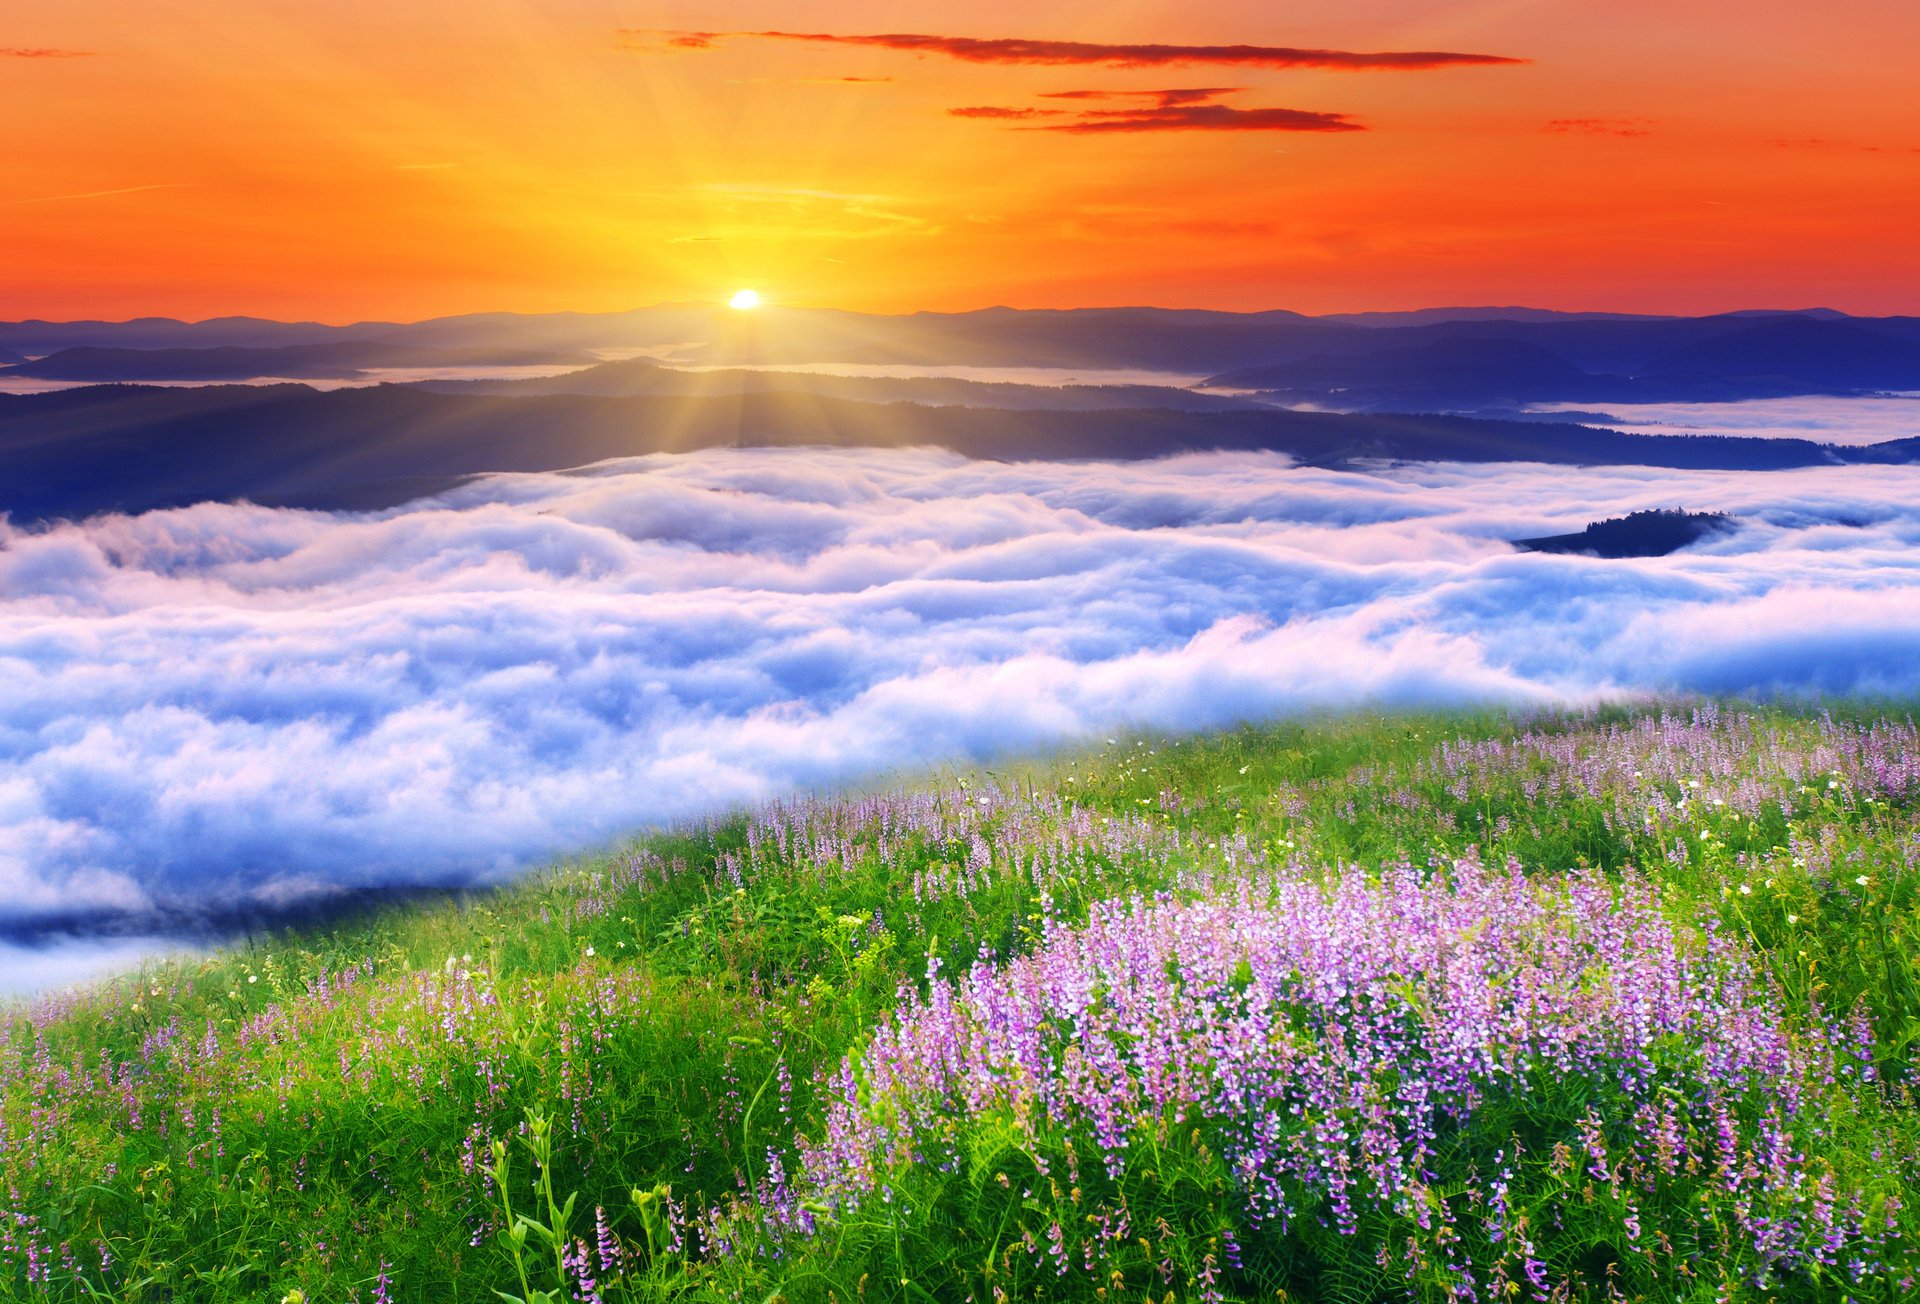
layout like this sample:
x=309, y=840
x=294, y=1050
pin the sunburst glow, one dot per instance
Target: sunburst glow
x=744, y=299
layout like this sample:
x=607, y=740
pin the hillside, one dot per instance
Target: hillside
x=1795, y=351
x=128, y=448
x=633, y=377
x=1437, y=371
x=1614, y=1005
x=1486, y=364
x=1639, y=534
x=1465, y=359
x=294, y=361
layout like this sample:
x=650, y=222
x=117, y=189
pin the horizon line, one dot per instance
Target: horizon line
x=775, y=306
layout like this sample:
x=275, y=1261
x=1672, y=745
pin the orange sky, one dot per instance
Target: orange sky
x=343, y=159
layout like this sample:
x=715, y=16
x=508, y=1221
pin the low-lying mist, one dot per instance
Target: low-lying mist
x=229, y=707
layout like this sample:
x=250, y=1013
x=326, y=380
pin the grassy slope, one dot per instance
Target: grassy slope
x=315, y=1112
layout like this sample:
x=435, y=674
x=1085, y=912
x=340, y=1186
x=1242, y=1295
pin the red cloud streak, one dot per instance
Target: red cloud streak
x=1020, y=50
x=995, y=111
x=1205, y=117
x=1168, y=98
x=18, y=52
x=1601, y=126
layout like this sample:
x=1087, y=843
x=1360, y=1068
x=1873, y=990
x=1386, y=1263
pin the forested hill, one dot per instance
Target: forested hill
x=131, y=448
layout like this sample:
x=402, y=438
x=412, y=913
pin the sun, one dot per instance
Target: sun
x=744, y=299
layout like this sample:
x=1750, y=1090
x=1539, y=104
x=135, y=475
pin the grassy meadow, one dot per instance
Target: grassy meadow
x=1617, y=1005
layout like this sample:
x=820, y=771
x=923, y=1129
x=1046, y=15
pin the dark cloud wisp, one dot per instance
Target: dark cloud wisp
x=1601, y=126
x=1001, y=111
x=1166, y=99
x=1188, y=109
x=1018, y=50
x=1204, y=117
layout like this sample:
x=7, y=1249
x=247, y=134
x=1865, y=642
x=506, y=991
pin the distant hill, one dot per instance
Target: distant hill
x=342, y=358
x=1801, y=351
x=1640, y=534
x=38, y=337
x=1823, y=314
x=1441, y=370
x=1490, y=365
x=128, y=448
x=1169, y=339
x=1429, y=316
x=1461, y=359
x=637, y=376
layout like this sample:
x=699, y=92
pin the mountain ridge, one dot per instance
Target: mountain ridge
x=131, y=448
x=1626, y=358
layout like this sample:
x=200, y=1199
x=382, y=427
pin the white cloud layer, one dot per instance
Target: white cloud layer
x=1824, y=420
x=231, y=704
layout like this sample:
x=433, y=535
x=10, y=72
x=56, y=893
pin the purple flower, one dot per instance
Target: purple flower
x=1329, y=1033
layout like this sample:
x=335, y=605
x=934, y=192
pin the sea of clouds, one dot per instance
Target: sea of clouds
x=229, y=704
x=1824, y=420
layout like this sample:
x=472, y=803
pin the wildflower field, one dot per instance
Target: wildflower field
x=1616, y=1005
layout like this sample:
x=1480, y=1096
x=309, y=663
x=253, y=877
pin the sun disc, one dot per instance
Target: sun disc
x=744, y=299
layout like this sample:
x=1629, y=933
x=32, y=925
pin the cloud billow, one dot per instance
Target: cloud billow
x=228, y=703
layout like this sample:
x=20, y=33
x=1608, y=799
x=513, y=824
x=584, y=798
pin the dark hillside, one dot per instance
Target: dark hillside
x=128, y=448
x=1640, y=534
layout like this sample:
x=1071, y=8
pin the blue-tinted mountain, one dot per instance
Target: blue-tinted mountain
x=1432, y=316
x=641, y=376
x=1624, y=358
x=1800, y=351
x=342, y=358
x=132, y=448
x=1488, y=365
x=40, y=337
x=1445, y=370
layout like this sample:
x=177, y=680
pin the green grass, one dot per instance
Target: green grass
x=314, y=1112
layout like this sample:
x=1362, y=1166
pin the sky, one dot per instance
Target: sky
x=363, y=159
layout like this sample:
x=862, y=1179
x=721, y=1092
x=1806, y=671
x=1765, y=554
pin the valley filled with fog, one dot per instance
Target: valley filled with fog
x=230, y=707
x=1855, y=422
